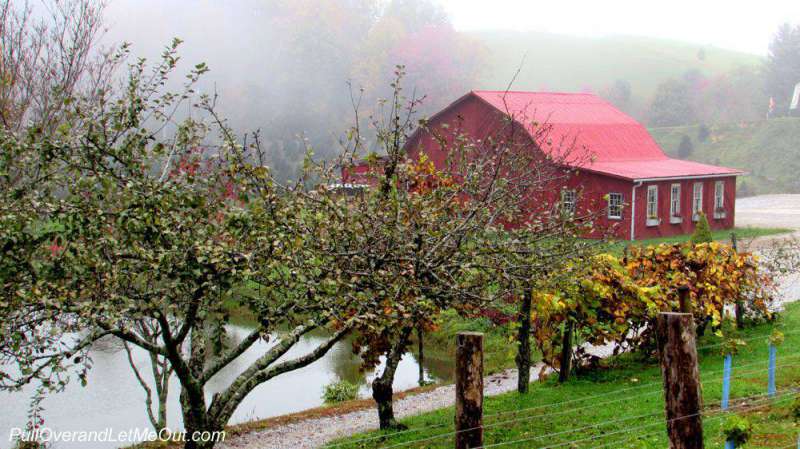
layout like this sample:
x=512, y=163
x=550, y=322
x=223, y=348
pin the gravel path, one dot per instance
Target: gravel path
x=762, y=211
x=313, y=433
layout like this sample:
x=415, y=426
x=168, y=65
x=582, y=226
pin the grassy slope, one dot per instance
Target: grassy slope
x=743, y=234
x=767, y=150
x=571, y=63
x=534, y=414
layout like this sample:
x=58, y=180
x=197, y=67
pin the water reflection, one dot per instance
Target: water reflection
x=113, y=399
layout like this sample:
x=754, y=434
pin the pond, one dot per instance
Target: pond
x=113, y=399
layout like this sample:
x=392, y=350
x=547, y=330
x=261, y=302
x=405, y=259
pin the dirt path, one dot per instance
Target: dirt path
x=781, y=211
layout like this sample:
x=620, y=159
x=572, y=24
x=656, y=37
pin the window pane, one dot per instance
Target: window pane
x=675, y=200
x=615, y=205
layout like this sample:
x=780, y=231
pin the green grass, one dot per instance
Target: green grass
x=572, y=63
x=440, y=344
x=629, y=414
x=743, y=234
x=766, y=150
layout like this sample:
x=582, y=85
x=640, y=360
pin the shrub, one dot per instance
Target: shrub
x=796, y=410
x=339, y=392
x=702, y=231
x=737, y=429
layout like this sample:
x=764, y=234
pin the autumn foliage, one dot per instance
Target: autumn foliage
x=614, y=300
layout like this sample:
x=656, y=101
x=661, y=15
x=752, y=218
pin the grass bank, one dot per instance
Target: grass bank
x=621, y=404
x=743, y=234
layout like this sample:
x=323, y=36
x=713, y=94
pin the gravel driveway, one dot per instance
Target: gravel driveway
x=769, y=211
x=781, y=211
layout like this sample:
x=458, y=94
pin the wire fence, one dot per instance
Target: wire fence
x=540, y=426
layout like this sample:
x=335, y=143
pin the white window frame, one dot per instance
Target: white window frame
x=719, y=200
x=697, y=200
x=569, y=201
x=615, y=203
x=652, y=206
x=675, y=203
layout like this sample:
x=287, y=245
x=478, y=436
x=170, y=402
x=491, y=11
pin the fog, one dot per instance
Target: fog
x=291, y=68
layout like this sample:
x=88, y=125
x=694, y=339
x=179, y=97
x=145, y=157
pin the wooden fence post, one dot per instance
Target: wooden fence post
x=469, y=390
x=676, y=343
x=566, y=353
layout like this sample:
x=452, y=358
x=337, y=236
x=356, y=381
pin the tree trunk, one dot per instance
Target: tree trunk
x=682, y=392
x=196, y=421
x=382, y=391
x=566, y=353
x=469, y=390
x=421, y=355
x=523, y=358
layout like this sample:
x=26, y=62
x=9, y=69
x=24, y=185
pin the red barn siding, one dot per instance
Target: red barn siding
x=666, y=229
x=476, y=116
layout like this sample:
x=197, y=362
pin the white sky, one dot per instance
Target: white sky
x=744, y=25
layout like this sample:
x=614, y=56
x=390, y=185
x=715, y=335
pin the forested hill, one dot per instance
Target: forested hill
x=768, y=150
x=571, y=63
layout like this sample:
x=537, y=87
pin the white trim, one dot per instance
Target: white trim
x=633, y=209
x=697, y=201
x=651, y=189
x=673, y=199
x=620, y=206
x=676, y=178
x=719, y=194
x=569, y=206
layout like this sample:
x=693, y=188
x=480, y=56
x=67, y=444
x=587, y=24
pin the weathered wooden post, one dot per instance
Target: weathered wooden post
x=469, y=390
x=566, y=353
x=676, y=343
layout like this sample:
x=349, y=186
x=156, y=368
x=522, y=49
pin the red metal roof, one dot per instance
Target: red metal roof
x=606, y=139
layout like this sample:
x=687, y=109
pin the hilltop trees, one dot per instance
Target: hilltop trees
x=47, y=56
x=783, y=66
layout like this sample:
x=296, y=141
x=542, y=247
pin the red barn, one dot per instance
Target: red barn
x=617, y=163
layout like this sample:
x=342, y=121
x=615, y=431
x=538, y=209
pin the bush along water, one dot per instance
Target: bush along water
x=339, y=392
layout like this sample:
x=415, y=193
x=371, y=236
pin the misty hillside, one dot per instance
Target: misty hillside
x=767, y=150
x=571, y=63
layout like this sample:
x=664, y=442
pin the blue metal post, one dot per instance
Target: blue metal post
x=773, y=352
x=726, y=381
x=729, y=444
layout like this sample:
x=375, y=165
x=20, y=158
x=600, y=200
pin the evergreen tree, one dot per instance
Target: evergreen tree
x=672, y=104
x=702, y=231
x=686, y=147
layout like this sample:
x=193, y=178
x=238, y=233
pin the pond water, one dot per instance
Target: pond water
x=113, y=399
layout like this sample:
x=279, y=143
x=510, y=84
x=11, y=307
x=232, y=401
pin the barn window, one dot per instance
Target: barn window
x=719, y=199
x=615, y=206
x=697, y=200
x=652, y=206
x=568, y=201
x=675, y=203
